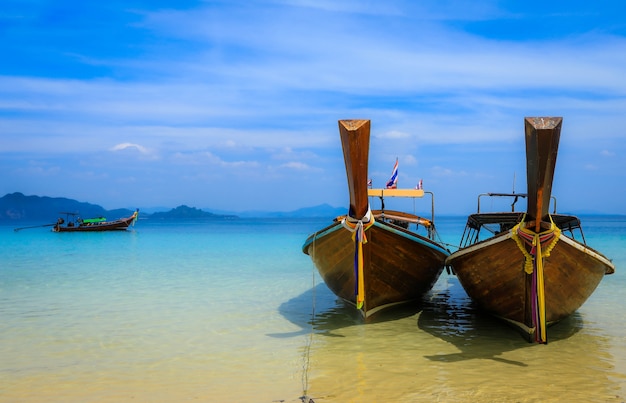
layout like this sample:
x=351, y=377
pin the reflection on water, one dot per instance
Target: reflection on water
x=445, y=350
x=452, y=316
x=447, y=313
x=318, y=310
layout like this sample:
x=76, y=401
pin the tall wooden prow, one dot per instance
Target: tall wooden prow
x=542, y=144
x=355, y=140
x=371, y=259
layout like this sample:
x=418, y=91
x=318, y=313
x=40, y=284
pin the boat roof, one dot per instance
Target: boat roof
x=480, y=219
x=396, y=192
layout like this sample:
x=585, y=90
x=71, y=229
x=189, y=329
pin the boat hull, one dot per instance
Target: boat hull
x=492, y=273
x=399, y=266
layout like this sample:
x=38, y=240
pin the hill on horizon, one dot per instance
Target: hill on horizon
x=19, y=207
x=185, y=212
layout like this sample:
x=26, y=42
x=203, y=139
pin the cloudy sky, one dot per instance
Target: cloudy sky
x=233, y=105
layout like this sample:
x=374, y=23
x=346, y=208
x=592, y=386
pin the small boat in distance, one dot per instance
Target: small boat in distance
x=372, y=259
x=530, y=269
x=76, y=224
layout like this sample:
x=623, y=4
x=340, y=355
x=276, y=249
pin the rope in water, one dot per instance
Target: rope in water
x=306, y=358
x=541, y=245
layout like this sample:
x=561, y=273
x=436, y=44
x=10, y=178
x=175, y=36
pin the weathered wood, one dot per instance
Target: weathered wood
x=542, y=145
x=355, y=141
x=398, y=265
x=492, y=271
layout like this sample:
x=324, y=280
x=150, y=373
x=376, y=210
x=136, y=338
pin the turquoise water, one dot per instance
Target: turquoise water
x=233, y=311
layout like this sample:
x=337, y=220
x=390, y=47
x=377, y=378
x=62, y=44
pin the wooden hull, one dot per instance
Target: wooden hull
x=492, y=273
x=117, y=225
x=399, y=266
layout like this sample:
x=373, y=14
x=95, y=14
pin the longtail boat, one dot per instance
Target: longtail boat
x=76, y=224
x=533, y=268
x=371, y=258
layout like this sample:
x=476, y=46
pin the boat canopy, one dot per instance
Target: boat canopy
x=396, y=192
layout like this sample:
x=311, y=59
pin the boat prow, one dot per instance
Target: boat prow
x=373, y=259
x=535, y=268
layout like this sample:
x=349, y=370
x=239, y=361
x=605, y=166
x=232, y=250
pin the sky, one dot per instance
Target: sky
x=233, y=105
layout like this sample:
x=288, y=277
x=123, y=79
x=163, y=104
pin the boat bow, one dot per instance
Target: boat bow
x=370, y=262
x=531, y=272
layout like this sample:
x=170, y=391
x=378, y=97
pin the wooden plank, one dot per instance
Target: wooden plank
x=396, y=192
x=355, y=141
x=542, y=144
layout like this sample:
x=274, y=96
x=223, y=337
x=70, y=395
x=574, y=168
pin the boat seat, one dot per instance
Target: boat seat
x=401, y=217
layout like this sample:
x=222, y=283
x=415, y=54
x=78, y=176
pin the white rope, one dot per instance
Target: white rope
x=306, y=359
x=356, y=225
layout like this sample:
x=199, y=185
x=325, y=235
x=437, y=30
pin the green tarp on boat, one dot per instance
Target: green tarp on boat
x=94, y=220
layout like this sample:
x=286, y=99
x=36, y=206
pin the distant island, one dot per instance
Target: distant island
x=184, y=212
x=16, y=207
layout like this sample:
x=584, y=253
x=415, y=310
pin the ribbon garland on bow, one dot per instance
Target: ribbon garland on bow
x=541, y=245
x=358, y=228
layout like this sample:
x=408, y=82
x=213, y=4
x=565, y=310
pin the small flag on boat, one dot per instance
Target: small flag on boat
x=419, y=185
x=393, y=181
x=369, y=183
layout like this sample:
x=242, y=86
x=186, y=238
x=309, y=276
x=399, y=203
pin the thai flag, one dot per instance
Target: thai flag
x=369, y=183
x=393, y=181
x=419, y=185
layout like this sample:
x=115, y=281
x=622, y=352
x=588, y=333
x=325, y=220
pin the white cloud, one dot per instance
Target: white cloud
x=125, y=146
x=447, y=172
x=394, y=134
x=211, y=159
x=409, y=159
x=607, y=153
x=263, y=84
x=295, y=165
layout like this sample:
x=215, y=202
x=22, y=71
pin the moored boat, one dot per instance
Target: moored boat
x=534, y=268
x=372, y=258
x=76, y=224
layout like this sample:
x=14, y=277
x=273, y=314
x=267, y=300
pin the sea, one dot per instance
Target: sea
x=233, y=311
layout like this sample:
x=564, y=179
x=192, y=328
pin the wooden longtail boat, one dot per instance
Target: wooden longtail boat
x=530, y=270
x=371, y=258
x=93, y=224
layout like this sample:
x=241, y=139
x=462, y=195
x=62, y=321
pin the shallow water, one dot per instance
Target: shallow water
x=233, y=311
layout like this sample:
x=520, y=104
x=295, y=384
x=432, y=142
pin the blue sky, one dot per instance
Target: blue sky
x=233, y=105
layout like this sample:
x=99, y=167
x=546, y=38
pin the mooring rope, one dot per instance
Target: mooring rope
x=306, y=358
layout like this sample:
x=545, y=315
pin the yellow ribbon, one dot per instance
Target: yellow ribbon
x=528, y=265
x=540, y=307
x=541, y=296
x=358, y=228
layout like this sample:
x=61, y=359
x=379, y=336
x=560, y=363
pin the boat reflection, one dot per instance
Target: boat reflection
x=453, y=317
x=318, y=310
x=457, y=352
